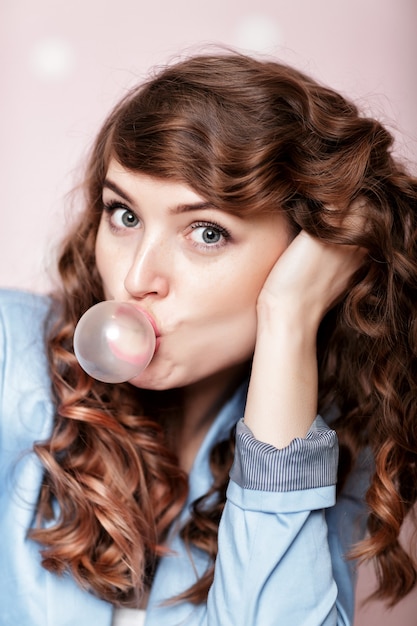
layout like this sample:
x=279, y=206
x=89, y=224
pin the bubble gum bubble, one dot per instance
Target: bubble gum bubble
x=114, y=341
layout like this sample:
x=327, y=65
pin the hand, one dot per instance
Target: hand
x=308, y=279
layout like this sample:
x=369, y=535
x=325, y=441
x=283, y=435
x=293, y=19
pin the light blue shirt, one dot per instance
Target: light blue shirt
x=281, y=539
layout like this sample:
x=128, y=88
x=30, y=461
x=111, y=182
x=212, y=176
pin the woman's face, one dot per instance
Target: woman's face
x=195, y=270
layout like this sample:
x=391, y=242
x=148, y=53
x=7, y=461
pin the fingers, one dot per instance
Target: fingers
x=311, y=276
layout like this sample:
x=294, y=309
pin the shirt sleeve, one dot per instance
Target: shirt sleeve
x=274, y=564
x=304, y=464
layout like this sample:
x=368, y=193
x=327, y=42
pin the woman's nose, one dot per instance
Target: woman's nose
x=150, y=270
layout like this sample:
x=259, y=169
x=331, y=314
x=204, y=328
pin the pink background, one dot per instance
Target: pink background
x=64, y=64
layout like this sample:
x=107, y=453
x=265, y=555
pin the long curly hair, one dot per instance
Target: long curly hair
x=250, y=136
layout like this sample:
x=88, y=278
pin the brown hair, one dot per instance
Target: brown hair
x=249, y=136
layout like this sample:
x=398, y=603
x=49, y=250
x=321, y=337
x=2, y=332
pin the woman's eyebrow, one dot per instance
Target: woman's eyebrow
x=108, y=184
x=192, y=206
x=180, y=208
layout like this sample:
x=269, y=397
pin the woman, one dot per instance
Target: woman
x=263, y=227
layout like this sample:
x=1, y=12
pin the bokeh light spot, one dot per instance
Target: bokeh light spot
x=52, y=59
x=258, y=32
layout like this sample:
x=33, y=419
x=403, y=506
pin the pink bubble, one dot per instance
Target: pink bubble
x=114, y=341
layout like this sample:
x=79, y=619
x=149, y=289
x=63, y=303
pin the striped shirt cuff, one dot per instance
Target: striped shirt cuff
x=304, y=464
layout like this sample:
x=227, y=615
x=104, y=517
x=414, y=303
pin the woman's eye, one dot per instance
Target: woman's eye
x=209, y=235
x=121, y=217
x=126, y=218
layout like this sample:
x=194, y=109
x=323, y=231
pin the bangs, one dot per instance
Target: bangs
x=200, y=141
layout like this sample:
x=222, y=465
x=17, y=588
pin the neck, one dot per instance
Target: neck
x=202, y=402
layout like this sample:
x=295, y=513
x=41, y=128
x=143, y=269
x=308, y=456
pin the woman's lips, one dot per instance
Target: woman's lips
x=150, y=318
